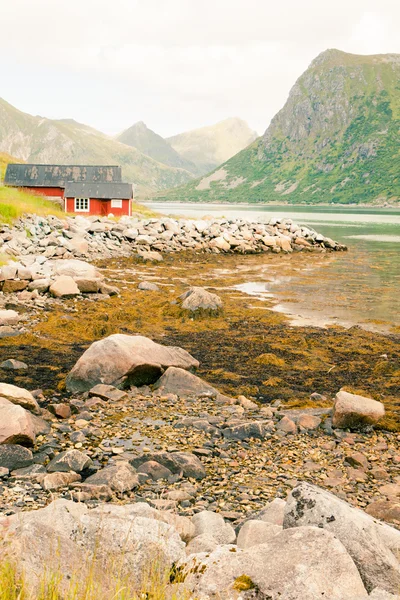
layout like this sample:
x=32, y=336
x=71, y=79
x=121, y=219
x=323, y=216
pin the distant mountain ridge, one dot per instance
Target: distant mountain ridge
x=212, y=145
x=336, y=140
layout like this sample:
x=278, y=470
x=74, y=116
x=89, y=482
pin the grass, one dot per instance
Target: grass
x=93, y=585
x=15, y=202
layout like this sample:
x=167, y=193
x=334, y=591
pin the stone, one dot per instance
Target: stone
x=121, y=477
x=61, y=410
x=211, y=523
x=70, y=460
x=19, y=396
x=385, y=510
x=16, y=425
x=13, y=364
x=9, y=317
x=202, y=543
x=78, y=269
x=297, y=564
x=87, y=491
x=390, y=490
x=254, y=532
x=356, y=412
x=246, y=431
x=148, y=286
x=357, y=459
x=88, y=285
x=287, y=425
x=107, y=392
x=13, y=456
x=124, y=360
x=274, y=512
x=11, y=286
x=8, y=271
x=154, y=470
x=33, y=472
x=308, y=422
x=64, y=287
x=182, y=383
x=365, y=539
x=41, y=285
x=198, y=298
x=150, y=256
x=54, y=481
x=177, y=462
x=109, y=290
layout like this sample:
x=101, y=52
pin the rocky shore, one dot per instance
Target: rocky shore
x=221, y=487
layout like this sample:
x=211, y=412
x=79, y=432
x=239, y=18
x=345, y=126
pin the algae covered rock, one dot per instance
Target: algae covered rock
x=356, y=412
x=198, y=298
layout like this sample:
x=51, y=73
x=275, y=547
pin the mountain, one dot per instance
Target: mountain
x=36, y=139
x=210, y=146
x=148, y=142
x=336, y=140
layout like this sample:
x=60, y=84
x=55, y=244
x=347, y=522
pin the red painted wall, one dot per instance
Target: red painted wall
x=99, y=207
x=46, y=191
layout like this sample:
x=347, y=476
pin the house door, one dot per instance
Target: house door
x=104, y=208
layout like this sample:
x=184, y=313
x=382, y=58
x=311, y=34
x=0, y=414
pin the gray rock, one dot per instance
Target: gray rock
x=107, y=392
x=13, y=364
x=211, y=523
x=124, y=360
x=70, y=460
x=177, y=462
x=197, y=298
x=202, y=543
x=120, y=477
x=245, y=431
x=364, y=538
x=148, y=286
x=274, y=512
x=13, y=456
x=254, y=532
x=180, y=382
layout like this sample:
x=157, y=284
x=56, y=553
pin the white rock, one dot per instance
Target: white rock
x=213, y=524
x=19, y=396
x=355, y=411
x=253, y=533
x=64, y=286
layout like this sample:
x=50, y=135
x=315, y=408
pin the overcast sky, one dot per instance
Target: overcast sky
x=176, y=64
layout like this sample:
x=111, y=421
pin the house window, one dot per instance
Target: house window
x=116, y=203
x=82, y=204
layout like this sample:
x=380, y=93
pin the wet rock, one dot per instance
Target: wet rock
x=356, y=412
x=254, y=532
x=13, y=456
x=120, y=477
x=64, y=287
x=13, y=364
x=70, y=460
x=19, y=396
x=211, y=523
x=364, y=538
x=16, y=425
x=125, y=360
x=197, y=298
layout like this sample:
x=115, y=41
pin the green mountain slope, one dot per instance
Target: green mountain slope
x=35, y=139
x=208, y=147
x=336, y=140
x=148, y=142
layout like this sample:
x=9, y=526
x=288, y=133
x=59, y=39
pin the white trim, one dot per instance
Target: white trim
x=82, y=205
x=116, y=203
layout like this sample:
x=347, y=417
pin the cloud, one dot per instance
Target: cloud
x=176, y=64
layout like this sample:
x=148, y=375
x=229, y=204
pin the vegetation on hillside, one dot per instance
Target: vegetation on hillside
x=335, y=141
x=14, y=203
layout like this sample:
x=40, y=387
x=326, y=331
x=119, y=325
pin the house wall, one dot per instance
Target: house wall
x=99, y=207
x=51, y=192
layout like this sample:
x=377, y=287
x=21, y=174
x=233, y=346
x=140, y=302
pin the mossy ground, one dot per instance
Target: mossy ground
x=245, y=349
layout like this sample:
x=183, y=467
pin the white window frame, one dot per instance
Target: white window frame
x=82, y=205
x=116, y=202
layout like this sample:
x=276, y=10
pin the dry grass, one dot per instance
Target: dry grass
x=14, y=203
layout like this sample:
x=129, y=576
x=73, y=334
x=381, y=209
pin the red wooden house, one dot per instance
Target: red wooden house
x=99, y=198
x=50, y=180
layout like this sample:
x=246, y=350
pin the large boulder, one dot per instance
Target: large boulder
x=124, y=360
x=298, y=564
x=19, y=396
x=16, y=426
x=213, y=524
x=254, y=532
x=69, y=540
x=356, y=412
x=197, y=298
x=368, y=541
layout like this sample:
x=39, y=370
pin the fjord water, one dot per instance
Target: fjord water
x=359, y=287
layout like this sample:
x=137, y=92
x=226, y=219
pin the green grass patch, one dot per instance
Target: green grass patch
x=15, y=202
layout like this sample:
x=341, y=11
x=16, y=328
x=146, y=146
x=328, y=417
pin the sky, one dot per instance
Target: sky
x=176, y=64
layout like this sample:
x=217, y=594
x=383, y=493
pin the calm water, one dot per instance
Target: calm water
x=359, y=287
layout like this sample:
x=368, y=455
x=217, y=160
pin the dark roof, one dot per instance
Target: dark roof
x=58, y=175
x=105, y=191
